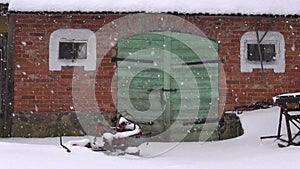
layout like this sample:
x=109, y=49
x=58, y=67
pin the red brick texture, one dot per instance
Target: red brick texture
x=38, y=89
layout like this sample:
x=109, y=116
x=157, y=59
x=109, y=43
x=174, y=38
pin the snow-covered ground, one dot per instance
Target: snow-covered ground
x=244, y=152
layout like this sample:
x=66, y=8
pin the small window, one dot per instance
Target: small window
x=72, y=47
x=267, y=52
x=272, y=51
x=72, y=50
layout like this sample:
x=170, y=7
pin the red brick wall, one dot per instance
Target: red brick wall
x=41, y=90
x=246, y=88
x=38, y=89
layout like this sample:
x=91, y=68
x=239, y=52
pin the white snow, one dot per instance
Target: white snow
x=290, y=94
x=82, y=142
x=244, y=152
x=132, y=128
x=118, y=135
x=286, y=95
x=275, y=7
x=4, y=1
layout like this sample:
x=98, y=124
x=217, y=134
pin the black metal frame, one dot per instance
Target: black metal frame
x=283, y=102
x=289, y=119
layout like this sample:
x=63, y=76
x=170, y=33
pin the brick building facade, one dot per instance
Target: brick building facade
x=61, y=64
x=35, y=84
x=40, y=90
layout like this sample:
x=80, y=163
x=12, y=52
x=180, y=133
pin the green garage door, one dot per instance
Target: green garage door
x=169, y=80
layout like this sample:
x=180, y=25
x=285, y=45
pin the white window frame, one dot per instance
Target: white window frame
x=72, y=35
x=271, y=37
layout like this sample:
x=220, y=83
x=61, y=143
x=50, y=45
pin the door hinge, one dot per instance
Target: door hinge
x=204, y=62
x=116, y=59
x=163, y=90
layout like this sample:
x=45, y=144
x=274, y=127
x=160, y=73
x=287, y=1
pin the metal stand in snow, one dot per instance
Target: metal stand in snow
x=290, y=118
x=63, y=146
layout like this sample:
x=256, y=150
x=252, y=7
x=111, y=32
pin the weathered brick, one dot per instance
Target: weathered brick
x=241, y=88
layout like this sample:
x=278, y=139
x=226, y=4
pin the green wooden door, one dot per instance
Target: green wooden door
x=169, y=79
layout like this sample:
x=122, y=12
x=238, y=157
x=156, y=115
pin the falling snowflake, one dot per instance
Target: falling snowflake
x=236, y=99
x=293, y=47
x=112, y=43
x=36, y=108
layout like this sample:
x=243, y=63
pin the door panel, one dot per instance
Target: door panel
x=168, y=92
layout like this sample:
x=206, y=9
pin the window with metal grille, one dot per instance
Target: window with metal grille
x=267, y=51
x=72, y=50
x=272, y=47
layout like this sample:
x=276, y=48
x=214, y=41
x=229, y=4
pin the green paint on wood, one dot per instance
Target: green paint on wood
x=140, y=84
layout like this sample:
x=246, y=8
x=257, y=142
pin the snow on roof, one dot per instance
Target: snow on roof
x=286, y=95
x=247, y=7
x=4, y=1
